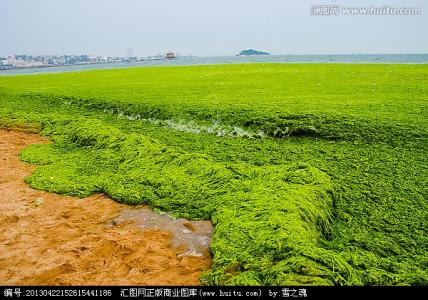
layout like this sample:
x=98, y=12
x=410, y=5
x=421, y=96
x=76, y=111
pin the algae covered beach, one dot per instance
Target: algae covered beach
x=312, y=174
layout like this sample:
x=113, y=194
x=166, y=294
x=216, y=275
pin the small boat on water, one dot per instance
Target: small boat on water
x=170, y=55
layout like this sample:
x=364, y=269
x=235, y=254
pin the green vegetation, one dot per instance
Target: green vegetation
x=252, y=52
x=311, y=174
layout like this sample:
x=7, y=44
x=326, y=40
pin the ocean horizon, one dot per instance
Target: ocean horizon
x=212, y=60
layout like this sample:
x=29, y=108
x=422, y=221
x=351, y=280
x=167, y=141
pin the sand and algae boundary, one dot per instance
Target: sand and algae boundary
x=268, y=221
x=272, y=223
x=48, y=239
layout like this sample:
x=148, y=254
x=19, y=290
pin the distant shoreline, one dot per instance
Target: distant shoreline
x=195, y=60
x=69, y=65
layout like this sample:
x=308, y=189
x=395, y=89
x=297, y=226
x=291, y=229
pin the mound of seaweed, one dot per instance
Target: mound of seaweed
x=362, y=125
x=275, y=125
x=379, y=205
x=269, y=221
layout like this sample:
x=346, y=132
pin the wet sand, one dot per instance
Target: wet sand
x=48, y=239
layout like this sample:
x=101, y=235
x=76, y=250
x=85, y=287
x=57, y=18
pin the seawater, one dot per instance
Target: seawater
x=193, y=60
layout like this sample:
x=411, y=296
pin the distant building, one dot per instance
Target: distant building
x=27, y=64
x=4, y=61
x=11, y=60
x=129, y=52
x=170, y=55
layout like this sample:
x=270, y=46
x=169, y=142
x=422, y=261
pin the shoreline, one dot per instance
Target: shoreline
x=411, y=59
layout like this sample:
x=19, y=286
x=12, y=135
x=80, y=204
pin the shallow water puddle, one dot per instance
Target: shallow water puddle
x=192, y=238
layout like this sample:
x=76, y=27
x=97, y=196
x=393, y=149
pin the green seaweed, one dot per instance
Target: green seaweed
x=336, y=192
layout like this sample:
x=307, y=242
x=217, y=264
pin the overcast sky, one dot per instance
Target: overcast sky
x=204, y=27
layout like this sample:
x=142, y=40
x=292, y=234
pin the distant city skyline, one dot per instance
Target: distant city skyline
x=201, y=28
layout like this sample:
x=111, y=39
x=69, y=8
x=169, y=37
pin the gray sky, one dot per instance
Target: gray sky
x=205, y=28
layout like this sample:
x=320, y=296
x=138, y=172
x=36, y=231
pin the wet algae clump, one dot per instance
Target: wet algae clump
x=313, y=174
x=263, y=215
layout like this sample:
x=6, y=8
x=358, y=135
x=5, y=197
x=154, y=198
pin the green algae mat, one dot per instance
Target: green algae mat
x=312, y=174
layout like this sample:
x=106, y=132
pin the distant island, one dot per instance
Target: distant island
x=252, y=52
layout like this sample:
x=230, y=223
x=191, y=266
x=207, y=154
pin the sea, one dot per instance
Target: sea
x=196, y=60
